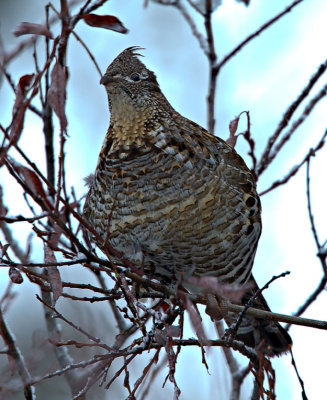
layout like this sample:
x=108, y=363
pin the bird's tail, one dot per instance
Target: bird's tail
x=260, y=331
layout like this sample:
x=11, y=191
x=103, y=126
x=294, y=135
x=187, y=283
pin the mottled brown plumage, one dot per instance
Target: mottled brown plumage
x=172, y=197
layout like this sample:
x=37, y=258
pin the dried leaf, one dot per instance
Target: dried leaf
x=17, y=125
x=26, y=28
x=172, y=360
x=105, y=21
x=25, y=81
x=53, y=273
x=160, y=337
x=171, y=357
x=18, y=113
x=57, y=93
x=31, y=180
x=210, y=284
x=169, y=332
x=15, y=275
x=165, y=307
x=233, y=125
x=195, y=318
x=19, y=109
x=173, y=331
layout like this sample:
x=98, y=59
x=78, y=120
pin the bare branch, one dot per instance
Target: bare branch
x=213, y=70
x=256, y=33
x=238, y=374
x=14, y=352
x=320, y=288
x=198, y=35
x=263, y=163
x=306, y=112
x=254, y=312
x=297, y=167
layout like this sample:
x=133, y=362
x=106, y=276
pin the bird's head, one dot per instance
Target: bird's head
x=128, y=82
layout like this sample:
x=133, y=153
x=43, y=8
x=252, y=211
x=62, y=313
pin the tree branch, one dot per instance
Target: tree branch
x=16, y=355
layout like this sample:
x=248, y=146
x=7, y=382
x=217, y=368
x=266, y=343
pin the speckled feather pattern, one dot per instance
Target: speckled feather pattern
x=167, y=194
x=165, y=202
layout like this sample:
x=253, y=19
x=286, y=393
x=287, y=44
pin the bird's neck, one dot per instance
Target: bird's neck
x=133, y=125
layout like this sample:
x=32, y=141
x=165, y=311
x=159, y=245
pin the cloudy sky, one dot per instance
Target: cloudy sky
x=264, y=78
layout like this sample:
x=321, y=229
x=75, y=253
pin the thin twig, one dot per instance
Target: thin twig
x=196, y=33
x=263, y=163
x=79, y=329
x=26, y=43
x=322, y=285
x=16, y=355
x=121, y=324
x=297, y=167
x=251, y=301
x=61, y=352
x=213, y=71
x=238, y=374
x=256, y=33
x=255, y=312
x=311, y=217
x=306, y=112
x=304, y=396
x=78, y=38
x=320, y=288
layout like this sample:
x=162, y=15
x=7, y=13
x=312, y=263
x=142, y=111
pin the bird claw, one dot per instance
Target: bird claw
x=217, y=307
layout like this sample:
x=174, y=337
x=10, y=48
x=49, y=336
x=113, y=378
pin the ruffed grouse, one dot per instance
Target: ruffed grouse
x=169, y=195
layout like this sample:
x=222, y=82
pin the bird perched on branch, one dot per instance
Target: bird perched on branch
x=173, y=198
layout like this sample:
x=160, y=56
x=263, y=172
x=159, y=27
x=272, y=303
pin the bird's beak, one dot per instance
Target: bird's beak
x=106, y=79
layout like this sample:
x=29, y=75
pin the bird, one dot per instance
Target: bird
x=173, y=198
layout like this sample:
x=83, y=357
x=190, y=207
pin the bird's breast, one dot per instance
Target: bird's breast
x=157, y=209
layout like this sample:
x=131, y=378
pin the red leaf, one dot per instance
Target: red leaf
x=17, y=124
x=25, y=81
x=233, y=126
x=15, y=275
x=26, y=28
x=105, y=21
x=20, y=105
x=31, y=180
x=18, y=113
x=57, y=93
x=53, y=273
x=232, y=130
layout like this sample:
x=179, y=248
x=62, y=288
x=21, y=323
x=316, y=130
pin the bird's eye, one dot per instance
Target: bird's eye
x=135, y=77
